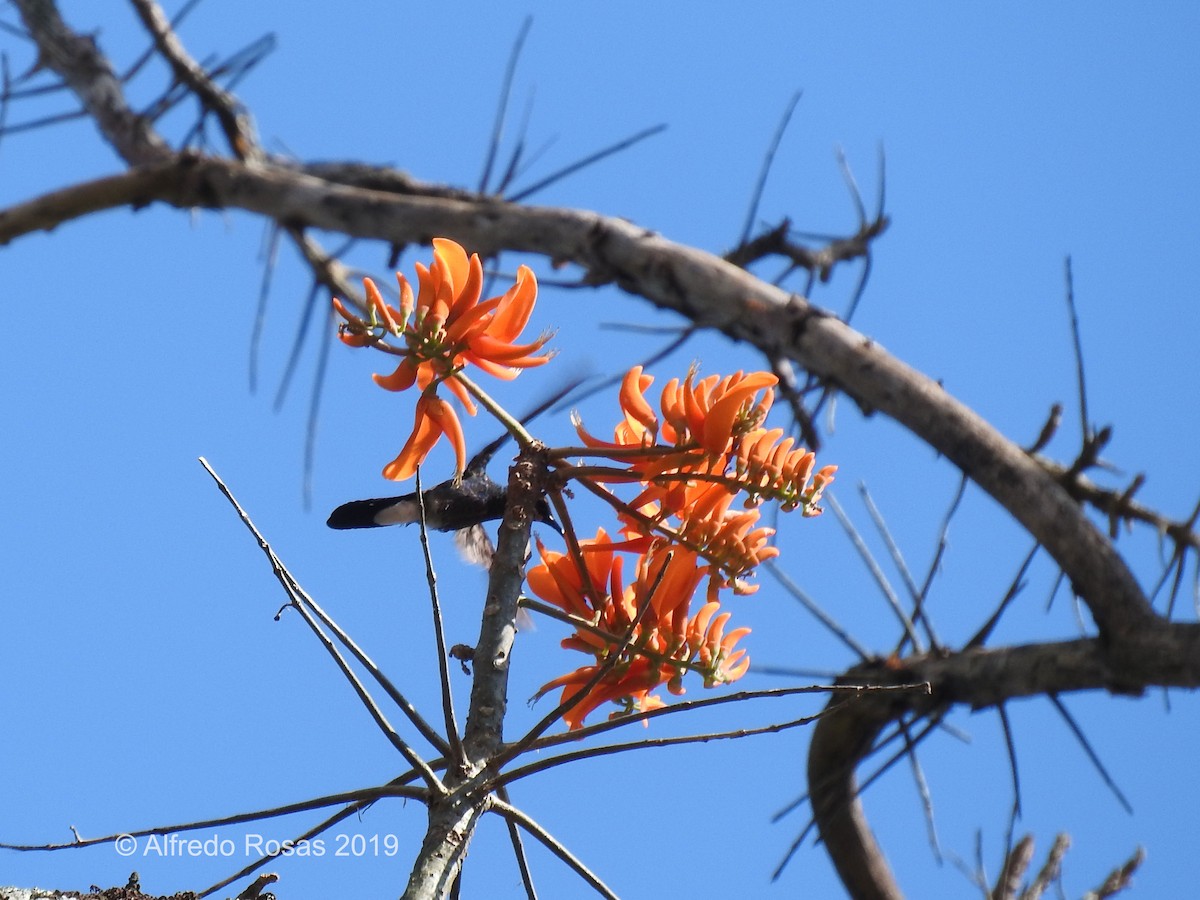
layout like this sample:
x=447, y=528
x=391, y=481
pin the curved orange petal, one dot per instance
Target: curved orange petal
x=712, y=638
x=351, y=339
x=697, y=628
x=448, y=422
x=732, y=638
x=678, y=585
x=375, y=302
x=696, y=402
x=718, y=424
x=586, y=437
x=351, y=318
x=453, y=263
x=407, y=303
x=467, y=320
x=427, y=283
x=454, y=386
x=506, y=373
x=486, y=346
x=425, y=435
x=516, y=306
x=674, y=418
x=401, y=379
x=632, y=397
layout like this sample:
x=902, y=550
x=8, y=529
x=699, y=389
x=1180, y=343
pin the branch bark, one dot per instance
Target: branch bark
x=452, y=818
x=1166, y=655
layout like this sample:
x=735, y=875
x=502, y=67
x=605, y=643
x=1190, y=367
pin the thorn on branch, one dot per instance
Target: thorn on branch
x=1089, y=455
x=1119, y=879
x=1012, y=873
x=1049, y=429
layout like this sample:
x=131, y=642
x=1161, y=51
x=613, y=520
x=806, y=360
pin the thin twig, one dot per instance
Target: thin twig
x=877, y=573
x=692, y=705
x=303, y=603
x=588, y=160
x=935, y=563
x=823, y=617
x=235, y=122
x=922, y=791
x=1015, y=587
x=510, y=72
x=308, y=315
x=514, y=836
x=511, y=813
x=1077, y=342
x=1050, y=870
x=1090, y=751
x=768, y=159
x=1012, y=870
x=439, y=632
x=1118, y=879
x=308, y=835
x=270, y=257
x=363, y=795
x=1011, y=858
x=859, y=788
x=562, y=759
x=329, y=271
x=869, y=232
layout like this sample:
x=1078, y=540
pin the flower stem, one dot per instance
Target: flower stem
x=514, y=426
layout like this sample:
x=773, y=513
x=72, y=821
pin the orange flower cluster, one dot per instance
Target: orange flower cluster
x=713, y=450
x=702, y=448
x=445, y=328
x=662, y=640
x=706, y=450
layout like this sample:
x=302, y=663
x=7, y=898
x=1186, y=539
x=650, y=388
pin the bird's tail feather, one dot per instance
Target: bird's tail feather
x=374, y=513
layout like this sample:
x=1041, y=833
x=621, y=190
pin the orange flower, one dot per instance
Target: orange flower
x=713, y=449
x=557, y=580
x=434, y=417
x=718, y=660
x=631, y=688
x=728, y=539
x=445, y=327
x=666, y=642
x=703, y=421
x=772, y=470
x=717, y=411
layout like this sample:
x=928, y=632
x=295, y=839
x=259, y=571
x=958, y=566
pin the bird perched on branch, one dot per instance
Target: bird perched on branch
x=461, y=507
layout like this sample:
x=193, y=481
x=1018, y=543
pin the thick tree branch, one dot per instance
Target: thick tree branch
x=1166, y=655
x=452, y=818
x=235, y=122
x=86, y=70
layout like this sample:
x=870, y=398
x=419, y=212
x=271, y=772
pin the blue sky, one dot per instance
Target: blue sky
x=146, y=681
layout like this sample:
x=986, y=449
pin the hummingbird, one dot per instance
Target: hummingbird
x=460, y=506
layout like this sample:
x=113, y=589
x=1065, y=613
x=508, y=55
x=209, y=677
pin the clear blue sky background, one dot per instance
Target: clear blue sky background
x=144, y=680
